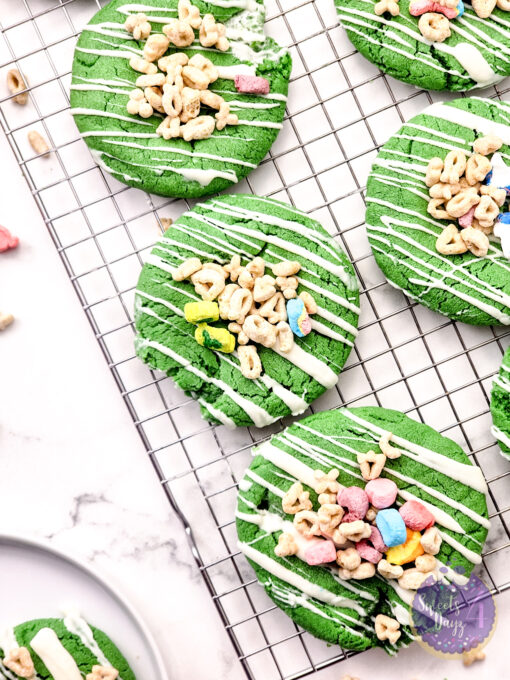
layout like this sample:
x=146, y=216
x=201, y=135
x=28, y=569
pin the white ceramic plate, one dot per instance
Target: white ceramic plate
x=38, y=581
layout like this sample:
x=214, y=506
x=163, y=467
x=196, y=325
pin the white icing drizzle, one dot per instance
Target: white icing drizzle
x=473, y=557
x=470, y=120
x=55, y=656
x=218, y=414
x=76, y=625
x=287, y=462
x=310, y=364
x=294, y=402
x=500, y=436
x=203, y=177
x=184, y=152
x=260, y=416
x=80, y=111
x=467, y=474
x=472, y=61
x=230, y=72
x=264, y=483
x=337, y=270
x=296, y=599
x=294, y=579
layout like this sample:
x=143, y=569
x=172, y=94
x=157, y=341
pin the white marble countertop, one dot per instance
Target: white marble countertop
x=74, y=472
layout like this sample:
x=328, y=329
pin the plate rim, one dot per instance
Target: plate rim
x=103, y=580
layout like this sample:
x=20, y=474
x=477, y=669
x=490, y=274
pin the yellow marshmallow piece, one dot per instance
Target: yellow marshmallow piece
x=197, y=312
x=215, y=338
x=408, y=551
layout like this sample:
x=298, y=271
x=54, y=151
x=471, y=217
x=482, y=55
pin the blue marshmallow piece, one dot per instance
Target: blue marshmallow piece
x=460, y=9
x=392, y=527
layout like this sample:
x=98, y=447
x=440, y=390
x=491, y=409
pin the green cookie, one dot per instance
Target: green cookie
x=474, y=290
x=128, y=147
x=248, y=226
x=87, y=645
x=475, y=54
x=500, y=406
x=431, y=469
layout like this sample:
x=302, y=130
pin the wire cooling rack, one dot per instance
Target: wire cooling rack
x=340, y=110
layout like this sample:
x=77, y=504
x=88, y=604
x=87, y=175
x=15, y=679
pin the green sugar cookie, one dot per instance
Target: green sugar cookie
x=128, y=146
x=247, y=226
x=431, y=470
x=69, y=642
x=474, y=290
x=475, y=55
x=500, y=405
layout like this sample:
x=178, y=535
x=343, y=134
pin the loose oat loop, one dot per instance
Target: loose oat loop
x=20, y=662
x=177, y=86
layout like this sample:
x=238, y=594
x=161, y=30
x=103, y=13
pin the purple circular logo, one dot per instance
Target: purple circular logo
x=453, y=617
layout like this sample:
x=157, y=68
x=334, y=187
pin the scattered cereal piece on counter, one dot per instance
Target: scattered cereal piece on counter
x=15, y=84
x=473, y=655
x=38, y=143
x=7, y=240
x=5, y=320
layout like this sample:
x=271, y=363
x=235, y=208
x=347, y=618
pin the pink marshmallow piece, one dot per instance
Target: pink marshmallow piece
x=467, y=219
x=367, y=552
x=416, y=516
x=381, y=492
x=7, y=240
x=420, y=7
x=350, y=517
x=355, y=500
x=321, y=552
x=251, y=84
x=376, y=540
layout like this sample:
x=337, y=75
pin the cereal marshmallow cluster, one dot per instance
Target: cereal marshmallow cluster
x=362, y=530
x=261, y=308
x=178, y=86
x=457, y=192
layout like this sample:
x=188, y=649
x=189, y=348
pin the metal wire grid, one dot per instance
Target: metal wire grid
x=340, y=110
